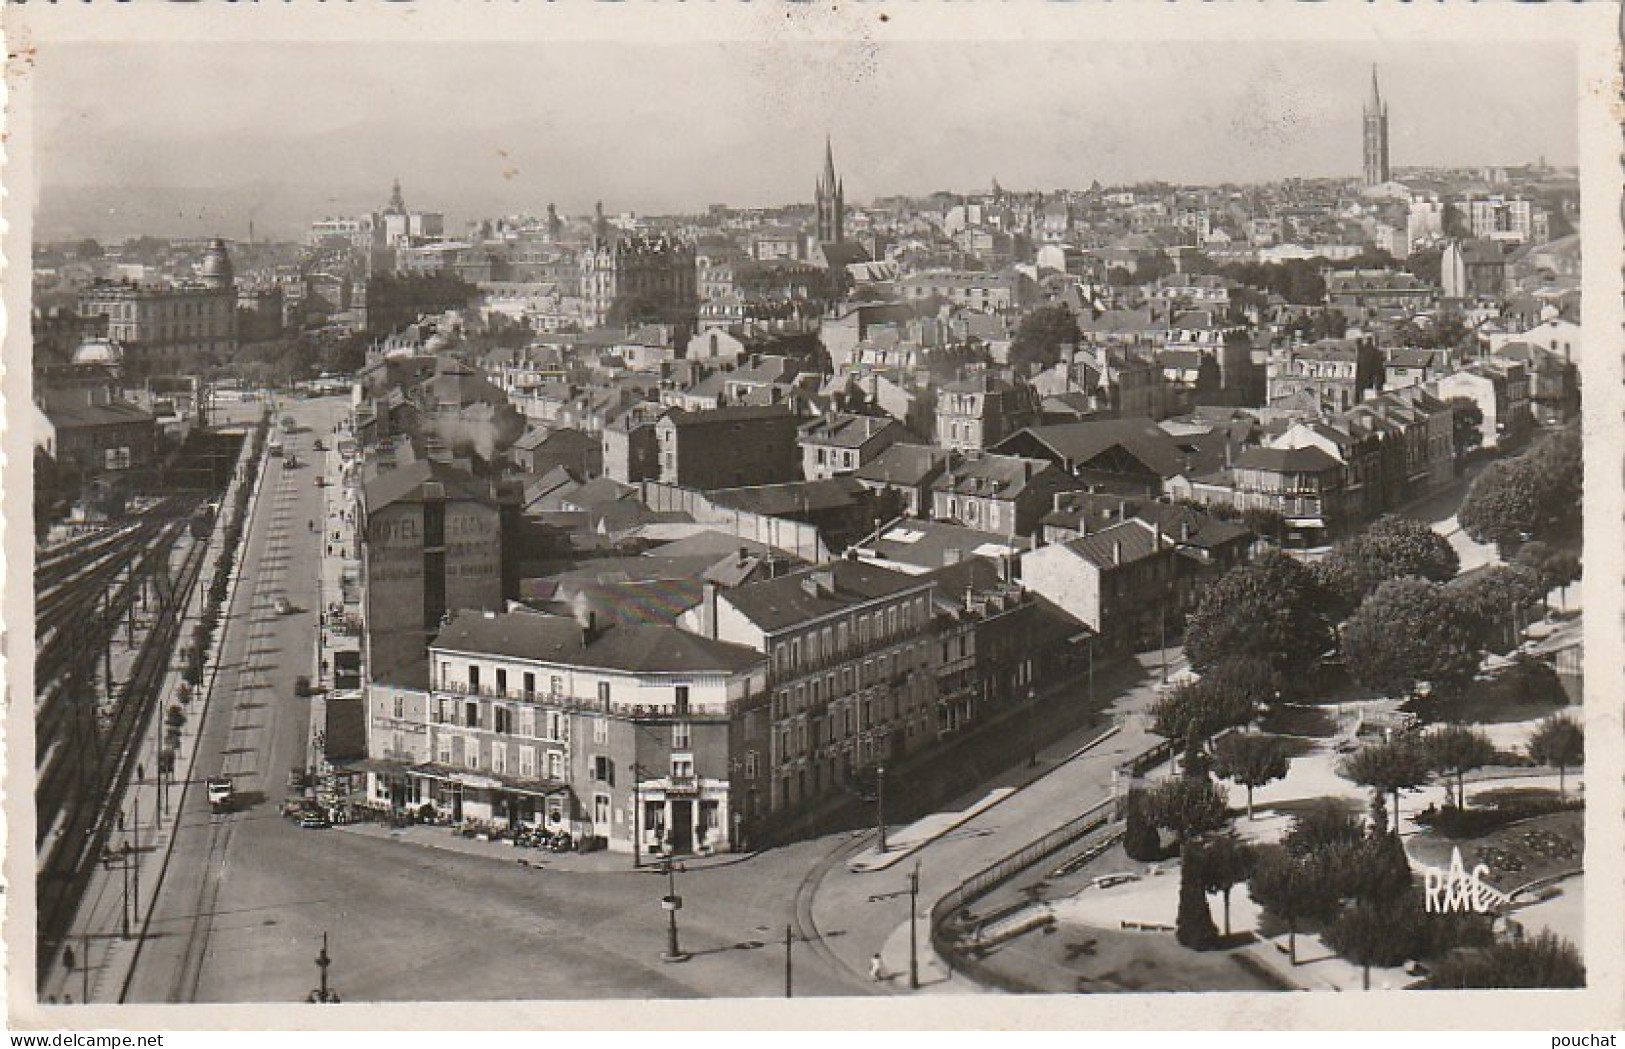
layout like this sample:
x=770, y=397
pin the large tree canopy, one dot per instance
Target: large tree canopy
x=1409, y=631
x=1268, y=613
x=1392, y=547
x=1042, y=334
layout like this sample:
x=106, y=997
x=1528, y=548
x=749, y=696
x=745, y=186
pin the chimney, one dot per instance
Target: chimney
x=970, y=598
x=708, y=610
x=952, y=556
x=1184, y=531
x=589, y=630
x=1122, y=510
x=1058, y=501
x=1117, y=551
x=744, y=555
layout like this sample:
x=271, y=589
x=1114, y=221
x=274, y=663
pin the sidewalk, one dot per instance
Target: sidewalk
x=858, y=914
x=102, y=956
x=601, y=862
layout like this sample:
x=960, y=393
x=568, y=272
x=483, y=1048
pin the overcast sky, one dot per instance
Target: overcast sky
x=293, y=132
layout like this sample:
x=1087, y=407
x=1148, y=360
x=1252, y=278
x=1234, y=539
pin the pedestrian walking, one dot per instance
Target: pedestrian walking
x=877, y=969
x=121, y=821
x=140, y=773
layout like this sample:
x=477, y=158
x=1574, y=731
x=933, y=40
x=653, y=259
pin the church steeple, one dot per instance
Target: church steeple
x=1376, y=136
x=397, y=204
x=829, y=200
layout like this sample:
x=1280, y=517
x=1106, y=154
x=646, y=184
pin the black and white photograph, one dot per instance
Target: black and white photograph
x=962, y=516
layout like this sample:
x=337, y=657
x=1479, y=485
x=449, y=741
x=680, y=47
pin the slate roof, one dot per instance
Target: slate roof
x=415, y=482
x=927, y=544
x=905, y=464
x=1283, y=459
x=1078, y=443
x=116, y=413
x=1136, y=540
x=778, y=500
x=846, y=431
x=776, y=604
x=722, y=416
x=635, y=648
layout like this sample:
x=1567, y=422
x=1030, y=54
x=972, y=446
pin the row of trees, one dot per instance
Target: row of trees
x=1380, y=598
x=1532, y=496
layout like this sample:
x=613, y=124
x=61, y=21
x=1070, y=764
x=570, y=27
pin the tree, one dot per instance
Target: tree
x=1558, y=742
x=1466, y=426
x=1546, y=960
x=1393, y=547
x=1555, y=568
x=1497, y=597
x=1251, y=760
x=1503, y=504
x=1041, y=335
x=1457, y=750
x=1326, y=824
x=1265, y=522
x=1193, y=927
x=1294, y=890
x=1140, y=839
x=1370, y=934
x=1373, y=869
x=1388, y=768
x=1426, y=266
x=1409, y=631
x=1227, y=695
x=1225, y=861
x=1189, y=807
x=1267, y=612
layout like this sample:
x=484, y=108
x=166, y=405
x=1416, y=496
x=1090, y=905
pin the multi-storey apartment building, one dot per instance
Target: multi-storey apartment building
x=431, y=543
x=1333, y=374
x=1303, y=485
x=841, y=443
x=850, y=673
x=978, y=413
x=648, y=278
x=621, y=733
x=170, y=328
x=727, y=447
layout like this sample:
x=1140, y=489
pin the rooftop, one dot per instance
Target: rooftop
x=560, y=640
x=816, y=592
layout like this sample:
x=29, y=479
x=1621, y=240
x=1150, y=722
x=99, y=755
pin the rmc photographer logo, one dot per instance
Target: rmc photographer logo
x=1457, y=890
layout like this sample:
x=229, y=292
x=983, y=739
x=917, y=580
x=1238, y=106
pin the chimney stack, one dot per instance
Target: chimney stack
x=589, y=630
x=1117, y=551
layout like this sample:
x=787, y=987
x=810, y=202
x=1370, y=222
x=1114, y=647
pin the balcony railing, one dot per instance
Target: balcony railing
x=614, y=707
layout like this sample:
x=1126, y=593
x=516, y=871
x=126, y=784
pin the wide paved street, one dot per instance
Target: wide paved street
x=248, y=895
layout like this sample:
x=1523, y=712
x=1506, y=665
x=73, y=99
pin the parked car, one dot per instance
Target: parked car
x=314, y=821
x=282, y=606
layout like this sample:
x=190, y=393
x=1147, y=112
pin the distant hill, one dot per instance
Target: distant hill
x=112, y=213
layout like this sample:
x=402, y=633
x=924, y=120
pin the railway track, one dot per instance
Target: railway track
x=90, y=780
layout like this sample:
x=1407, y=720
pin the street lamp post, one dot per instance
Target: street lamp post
x=323, y=994
x=789, y=965
x=880, y=805
x=121, y=854
x=913, y=921
x=1032, y=727
x=637, y=815
x=135, y=859
x=672, y=903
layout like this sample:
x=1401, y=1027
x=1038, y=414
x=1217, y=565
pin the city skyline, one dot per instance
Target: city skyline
x=574, y=127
